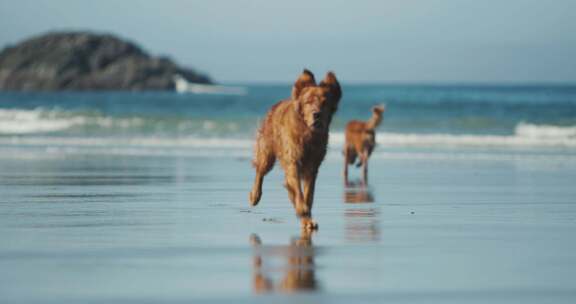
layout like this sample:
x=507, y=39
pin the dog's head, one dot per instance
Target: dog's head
x=316, y=103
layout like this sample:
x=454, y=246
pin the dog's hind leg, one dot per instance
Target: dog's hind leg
x=263, y=163
x=350, y=157
x=345, y=172
x=364, y=160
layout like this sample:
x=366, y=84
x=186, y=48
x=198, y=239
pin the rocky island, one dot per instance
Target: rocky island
x=87, y=61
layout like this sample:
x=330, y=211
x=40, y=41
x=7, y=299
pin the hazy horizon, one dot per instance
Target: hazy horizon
x=374, y=42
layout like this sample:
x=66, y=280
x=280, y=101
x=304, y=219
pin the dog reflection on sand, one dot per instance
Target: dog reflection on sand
x=356, y=192
x=362, y=216
x=296, y=273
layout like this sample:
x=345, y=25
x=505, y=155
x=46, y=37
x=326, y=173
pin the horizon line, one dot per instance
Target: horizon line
x=418, y=83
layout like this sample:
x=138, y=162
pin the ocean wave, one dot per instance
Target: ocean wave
x=523, y=139
x=58, y=127
x=34, y=121
x=525, y=135
x=39, y=120
x=119, y=142
x=42, y=121
x=526, y=130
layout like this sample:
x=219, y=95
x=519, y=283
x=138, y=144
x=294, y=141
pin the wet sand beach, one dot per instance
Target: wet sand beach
x=429, y=227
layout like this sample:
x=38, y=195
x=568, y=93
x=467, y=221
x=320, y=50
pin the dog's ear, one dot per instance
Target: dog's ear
x=306, y=79
x=333, y=86
x=331, y=82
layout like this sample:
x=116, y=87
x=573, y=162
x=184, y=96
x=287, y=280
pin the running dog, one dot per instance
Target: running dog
x=295, y=132
x=360, y=141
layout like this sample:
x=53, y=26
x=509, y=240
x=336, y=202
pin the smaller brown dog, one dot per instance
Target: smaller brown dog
x=360, y=141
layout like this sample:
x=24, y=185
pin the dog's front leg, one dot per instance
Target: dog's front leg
x=263, y=163
x=256, y=192
x=309, y=185
x=295, y=191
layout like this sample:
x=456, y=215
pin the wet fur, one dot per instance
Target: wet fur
x=295, y=132
x=360, y=142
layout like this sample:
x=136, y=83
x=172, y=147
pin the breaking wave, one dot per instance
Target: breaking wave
x=55, y=127
x=37, y=121
x=525, y=135
x=33, y=121
x=54, y=122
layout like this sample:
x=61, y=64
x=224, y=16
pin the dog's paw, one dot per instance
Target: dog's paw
x=255, y=197
x=309, y=225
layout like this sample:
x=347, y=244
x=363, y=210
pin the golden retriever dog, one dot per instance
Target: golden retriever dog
x=295, y=132
x=360, y=141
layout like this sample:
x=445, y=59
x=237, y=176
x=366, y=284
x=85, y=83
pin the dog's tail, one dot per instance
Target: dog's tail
x=376, y=119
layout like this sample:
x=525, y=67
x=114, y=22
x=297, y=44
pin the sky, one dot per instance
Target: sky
x=363, y=41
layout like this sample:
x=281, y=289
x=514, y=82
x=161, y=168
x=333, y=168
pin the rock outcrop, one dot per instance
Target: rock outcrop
x=87, y=61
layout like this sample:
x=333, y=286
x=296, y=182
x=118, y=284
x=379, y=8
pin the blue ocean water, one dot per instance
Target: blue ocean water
x=417, y=115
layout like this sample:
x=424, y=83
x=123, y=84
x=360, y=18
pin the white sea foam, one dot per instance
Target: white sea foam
x=526, y=135
x=562, y=139
x=183, y=86
x=117, y=142
x=526, y=130
x=35, y=121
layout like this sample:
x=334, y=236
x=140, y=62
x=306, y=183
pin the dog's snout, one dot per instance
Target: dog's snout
x=316, y=115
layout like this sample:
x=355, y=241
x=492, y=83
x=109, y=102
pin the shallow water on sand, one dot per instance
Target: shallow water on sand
x=103, y=229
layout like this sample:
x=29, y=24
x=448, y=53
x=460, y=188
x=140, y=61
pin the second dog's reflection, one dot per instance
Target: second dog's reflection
x=362, y=217
x=284, y=268
x=357, y=192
